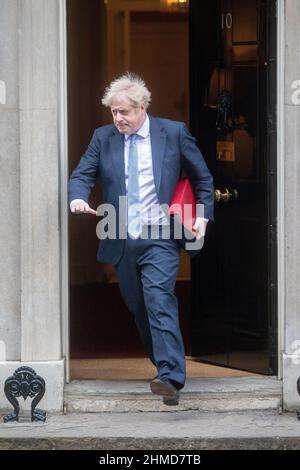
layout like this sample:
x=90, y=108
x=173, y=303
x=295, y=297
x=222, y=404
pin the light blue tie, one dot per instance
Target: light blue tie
x=133, y=190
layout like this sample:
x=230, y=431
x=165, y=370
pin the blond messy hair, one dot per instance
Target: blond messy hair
x=134, y=88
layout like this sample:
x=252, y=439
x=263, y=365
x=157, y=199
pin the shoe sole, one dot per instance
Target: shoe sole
x=170, y=397
x=173, y=402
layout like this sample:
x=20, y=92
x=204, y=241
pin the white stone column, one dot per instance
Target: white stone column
x=291, y=353
x=10, y=290
x=39, y=199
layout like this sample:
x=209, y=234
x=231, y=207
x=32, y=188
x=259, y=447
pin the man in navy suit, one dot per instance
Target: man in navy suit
x=140, y=158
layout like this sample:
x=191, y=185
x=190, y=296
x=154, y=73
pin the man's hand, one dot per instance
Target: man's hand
x=81, y=207
x=200, y=227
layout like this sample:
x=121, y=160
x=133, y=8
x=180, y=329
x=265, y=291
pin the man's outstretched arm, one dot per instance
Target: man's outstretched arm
x=83, y=178
x=200, y=178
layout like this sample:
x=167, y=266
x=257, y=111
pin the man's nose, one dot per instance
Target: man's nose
x=118, y=117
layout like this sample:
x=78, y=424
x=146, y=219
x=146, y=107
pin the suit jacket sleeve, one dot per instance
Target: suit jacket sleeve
x=198, y=173
x=83, y=178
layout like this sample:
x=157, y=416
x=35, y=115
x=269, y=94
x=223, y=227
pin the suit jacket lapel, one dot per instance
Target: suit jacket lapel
x=158, y=143
x=117, y=155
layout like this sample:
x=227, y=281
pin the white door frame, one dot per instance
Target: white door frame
x=280, y=179
x=64, y=210
x=63, y=139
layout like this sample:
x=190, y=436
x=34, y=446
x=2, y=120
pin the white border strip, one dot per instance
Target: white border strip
x=280, y=178
x=63, y=151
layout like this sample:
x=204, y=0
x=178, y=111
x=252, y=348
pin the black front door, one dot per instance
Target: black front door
x=232, y=105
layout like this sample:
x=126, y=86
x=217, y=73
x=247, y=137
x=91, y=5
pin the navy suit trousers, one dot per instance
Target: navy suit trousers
x=147, y=276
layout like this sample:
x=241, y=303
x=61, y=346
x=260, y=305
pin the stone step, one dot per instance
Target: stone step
x=180, y=430
x=132, y=444
x=205, y=394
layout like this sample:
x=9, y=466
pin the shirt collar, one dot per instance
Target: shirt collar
x=143, y=130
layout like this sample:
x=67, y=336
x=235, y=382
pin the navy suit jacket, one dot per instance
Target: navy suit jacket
x=173, y=148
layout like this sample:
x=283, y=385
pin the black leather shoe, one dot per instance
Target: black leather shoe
x=166, y=389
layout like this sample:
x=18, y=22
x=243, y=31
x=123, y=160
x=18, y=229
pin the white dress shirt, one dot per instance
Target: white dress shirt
x=151, y=213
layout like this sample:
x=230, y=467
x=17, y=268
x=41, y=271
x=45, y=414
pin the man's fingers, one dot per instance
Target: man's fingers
x=200, y=234
x=196, y=227
x=200, y=228
x=91, y=211
x=81, y=208
x=76, y=208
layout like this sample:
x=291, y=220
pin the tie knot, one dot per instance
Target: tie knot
x=133, y=138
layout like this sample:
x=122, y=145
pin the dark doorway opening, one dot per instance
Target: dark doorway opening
x=233, y=116
x=104, y=40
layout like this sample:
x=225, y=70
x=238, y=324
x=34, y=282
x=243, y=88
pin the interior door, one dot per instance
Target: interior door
x=232, y=106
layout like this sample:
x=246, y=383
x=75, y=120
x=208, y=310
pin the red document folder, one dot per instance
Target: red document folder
x=183, y=204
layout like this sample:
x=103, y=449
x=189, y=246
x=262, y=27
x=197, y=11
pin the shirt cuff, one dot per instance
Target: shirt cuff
x=76, y=200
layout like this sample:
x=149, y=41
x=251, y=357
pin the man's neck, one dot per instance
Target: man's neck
x=141, y=125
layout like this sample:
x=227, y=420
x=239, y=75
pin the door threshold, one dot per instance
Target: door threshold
x=140, y=368
x=205, y=394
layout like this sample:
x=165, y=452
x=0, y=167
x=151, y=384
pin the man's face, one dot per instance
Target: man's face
x=127, y=118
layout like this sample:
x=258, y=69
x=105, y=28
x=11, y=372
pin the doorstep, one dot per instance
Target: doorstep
x=205, y=394
x=181, y=430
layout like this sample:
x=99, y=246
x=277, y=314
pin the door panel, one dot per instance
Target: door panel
x=231, y=57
